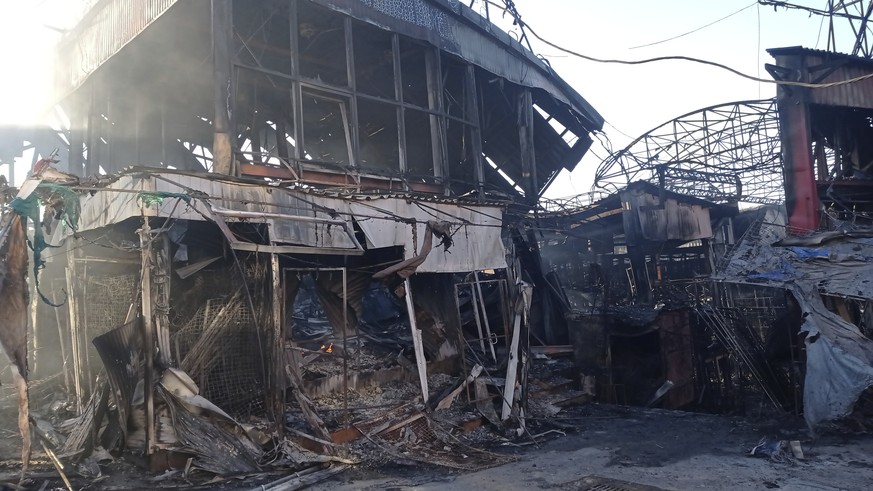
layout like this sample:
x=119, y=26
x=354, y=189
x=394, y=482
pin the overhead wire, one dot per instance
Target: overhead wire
x=697, y=29
x=690, y=59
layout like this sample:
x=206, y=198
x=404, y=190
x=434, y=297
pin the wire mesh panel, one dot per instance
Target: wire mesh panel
x=103, y=305
x=108, y=300
x=222, y=349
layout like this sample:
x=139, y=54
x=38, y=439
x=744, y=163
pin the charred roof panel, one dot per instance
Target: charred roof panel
x=453, y=27
x=106, y=28
x=823, y=67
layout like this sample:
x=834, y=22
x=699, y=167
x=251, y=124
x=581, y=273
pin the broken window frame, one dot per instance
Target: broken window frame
x=438, y=116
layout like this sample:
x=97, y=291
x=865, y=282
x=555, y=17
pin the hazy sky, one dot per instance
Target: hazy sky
x=636, y=99
x=633, y=99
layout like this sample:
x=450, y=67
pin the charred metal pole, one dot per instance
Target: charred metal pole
x=526, y=146
x=345, y=347
x=222, y=41
x=148, y=331
x=416, y=340
x=73, y=312
x=278, y=365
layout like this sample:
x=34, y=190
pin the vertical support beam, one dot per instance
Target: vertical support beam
x=164, y=157
x=296, y=93
x=73, y=314
x=222, y=43
x=148, y=331
x=77, y=139
x=511, y=368
x=34, y=325
x=522, y=308
x=345, y=345
x=109, y=132
x=398, y=94
x=801, y=195
x=472, y=109
x=353, y=101
x=437, y=123
x=91, y=136
x=163, y=265
x=416, y=340
x=278, y=358
x=526, y=145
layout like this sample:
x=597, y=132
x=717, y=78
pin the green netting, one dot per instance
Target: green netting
x=29, y=208
x=158, y=197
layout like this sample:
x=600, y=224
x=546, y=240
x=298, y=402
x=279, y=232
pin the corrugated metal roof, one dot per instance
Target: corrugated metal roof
x=825, y=67
x=300, y=215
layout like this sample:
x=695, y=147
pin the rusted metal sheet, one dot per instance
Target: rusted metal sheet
x=824, y=67
x=104, y=30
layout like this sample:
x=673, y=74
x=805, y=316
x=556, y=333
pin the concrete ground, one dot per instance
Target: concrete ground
x=665, y=449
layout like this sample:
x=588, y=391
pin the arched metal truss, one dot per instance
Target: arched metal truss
x=725, y=153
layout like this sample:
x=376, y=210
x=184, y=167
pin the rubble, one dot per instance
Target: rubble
x=332, y=252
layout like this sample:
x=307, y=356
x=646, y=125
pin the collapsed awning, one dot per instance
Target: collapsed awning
x=839, y=358
x=301, y=221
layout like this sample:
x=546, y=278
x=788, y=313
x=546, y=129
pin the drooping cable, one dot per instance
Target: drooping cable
x=691, y=60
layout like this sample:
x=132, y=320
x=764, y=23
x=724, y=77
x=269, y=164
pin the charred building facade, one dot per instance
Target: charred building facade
x=263, y=203
x=371, y=95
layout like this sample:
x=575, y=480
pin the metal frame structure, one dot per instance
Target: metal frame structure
x=725, y=153
x=856, y=12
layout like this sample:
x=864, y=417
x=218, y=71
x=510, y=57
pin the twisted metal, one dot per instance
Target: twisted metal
x=725, y=153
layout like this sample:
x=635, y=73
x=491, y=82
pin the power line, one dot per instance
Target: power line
x=692, y=60
x=696, y=30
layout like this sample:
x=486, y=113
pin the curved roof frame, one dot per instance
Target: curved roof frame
x=724, y=153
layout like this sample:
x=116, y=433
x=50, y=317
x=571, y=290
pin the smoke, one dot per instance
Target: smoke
x=29, y=32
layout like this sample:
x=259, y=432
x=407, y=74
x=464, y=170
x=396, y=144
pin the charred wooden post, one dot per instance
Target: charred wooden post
x=148, y=332
x=162, y=266
x=278, y=365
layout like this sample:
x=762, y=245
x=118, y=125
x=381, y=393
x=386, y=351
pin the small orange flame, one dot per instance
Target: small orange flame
x=327, y=349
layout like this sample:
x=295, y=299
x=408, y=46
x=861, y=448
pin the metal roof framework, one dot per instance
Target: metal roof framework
x=726, y=153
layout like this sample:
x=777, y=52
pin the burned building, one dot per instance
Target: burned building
x=631, y=269
x=268, y=202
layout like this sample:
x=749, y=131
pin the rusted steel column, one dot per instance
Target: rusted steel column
x=801, y=195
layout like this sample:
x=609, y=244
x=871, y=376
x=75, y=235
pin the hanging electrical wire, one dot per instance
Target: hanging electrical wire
x=697, y=29
x=688, y=59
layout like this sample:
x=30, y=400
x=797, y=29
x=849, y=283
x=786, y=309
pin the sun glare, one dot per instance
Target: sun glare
x=29, y=31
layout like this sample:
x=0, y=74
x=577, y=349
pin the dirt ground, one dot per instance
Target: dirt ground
x=669, y=450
